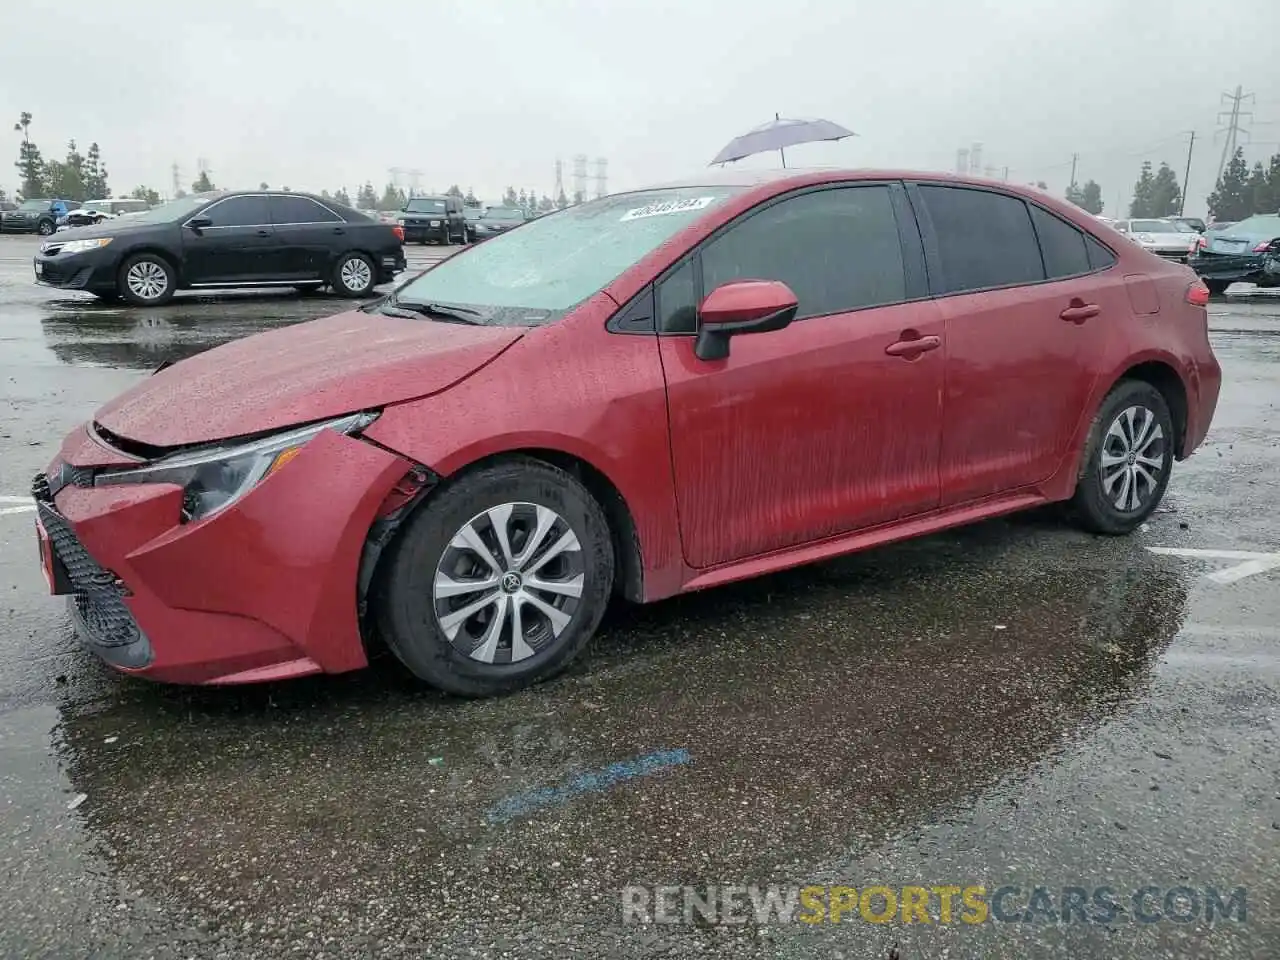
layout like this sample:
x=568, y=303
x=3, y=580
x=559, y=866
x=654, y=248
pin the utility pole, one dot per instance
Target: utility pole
x=1233, y=129
x=1005, y=176
x=1075, y=158
x=1186, y=177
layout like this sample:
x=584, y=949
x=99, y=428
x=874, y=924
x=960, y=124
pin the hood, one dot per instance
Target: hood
x=311, y=371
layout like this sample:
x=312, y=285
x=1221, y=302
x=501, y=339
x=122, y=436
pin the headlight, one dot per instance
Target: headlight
x=400, y=221
x=80, y=246
x=215, y=477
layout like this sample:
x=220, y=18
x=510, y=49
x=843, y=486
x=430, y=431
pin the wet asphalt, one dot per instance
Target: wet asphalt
x=1012, y=704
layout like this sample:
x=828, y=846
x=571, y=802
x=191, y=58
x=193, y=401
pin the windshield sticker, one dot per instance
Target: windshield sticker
x=670, y=206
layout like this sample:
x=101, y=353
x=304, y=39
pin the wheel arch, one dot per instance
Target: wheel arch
x=1165, y=378
x=157, y=251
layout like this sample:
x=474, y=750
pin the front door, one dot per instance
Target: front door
x=310, y=236
x=813, y=430
x=240, y=246
x=1028, y=313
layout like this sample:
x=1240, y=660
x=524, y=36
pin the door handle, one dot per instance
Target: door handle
x=264, y=233
x=1079, y=312
x=912, y=347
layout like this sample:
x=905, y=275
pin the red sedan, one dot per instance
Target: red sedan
x=649, y=393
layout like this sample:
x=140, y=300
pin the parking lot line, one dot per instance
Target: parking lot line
x=1252, y=561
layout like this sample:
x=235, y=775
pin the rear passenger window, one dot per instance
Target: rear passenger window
x=984, y=239
x=1099, y=256
x=836, y=249
x=1063, y=246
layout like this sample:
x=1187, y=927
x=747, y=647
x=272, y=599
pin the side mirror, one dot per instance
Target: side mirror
x=199, y=223
x=742, y=306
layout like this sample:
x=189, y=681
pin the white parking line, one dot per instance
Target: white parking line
x=16, y=505
x=1252, y=562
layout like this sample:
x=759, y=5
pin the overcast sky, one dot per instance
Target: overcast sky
x=485, y=93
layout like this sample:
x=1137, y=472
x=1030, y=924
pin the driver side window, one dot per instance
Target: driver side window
x=837, y=249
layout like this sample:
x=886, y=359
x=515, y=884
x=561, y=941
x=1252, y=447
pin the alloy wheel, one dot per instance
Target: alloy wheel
x=147, y=280
x=509, y=583
x=355, y=274
x=1132, y=458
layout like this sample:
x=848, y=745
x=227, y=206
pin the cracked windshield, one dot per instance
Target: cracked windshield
x=476, y=493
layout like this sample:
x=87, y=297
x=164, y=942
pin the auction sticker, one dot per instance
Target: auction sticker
x=670, y=206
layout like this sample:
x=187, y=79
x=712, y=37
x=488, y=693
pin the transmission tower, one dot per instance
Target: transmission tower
x=401, y=175
x=579, y=178
x=601, y=176
x=1233, y=128
x=177, y=179
x=962, y=161
x=559, y=191
x=975, y=159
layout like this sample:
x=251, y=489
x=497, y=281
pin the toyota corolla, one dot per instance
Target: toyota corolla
x=654, y=392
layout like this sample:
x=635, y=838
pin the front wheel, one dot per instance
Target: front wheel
x=147, y=280
x=45, y=228
x=498, y=581
x=354, y=275
x=1128, y=459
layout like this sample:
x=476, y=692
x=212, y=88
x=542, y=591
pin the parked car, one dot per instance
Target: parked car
x=1190, y=223
x=472, y=216
x=646, y=394
x=240, y=239
x=95, y=211
x=1161, y=237
x=1247, y=251
x=434, y=218
x=35, y=216
x=498, y=220
x=6, y=205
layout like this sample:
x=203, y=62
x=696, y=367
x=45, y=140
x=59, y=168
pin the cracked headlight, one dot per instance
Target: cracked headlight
x=216, y=476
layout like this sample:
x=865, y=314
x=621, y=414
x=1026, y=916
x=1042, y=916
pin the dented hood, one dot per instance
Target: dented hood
x=310, y=371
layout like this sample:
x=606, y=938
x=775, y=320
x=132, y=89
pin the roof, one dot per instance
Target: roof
x=746, y=177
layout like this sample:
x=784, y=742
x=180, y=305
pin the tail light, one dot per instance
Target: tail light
x=1198, y=293
x=1263, y=247
x=399, y=232
x=1200, y=244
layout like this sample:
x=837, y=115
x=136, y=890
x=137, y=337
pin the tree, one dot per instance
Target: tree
x=454, y=191
x=203, y=184
x=1273, y=185
x=562, y=201
x=65, y=180
x=1041, y=185
x=1166, y=195
x=509, y=199
x=366, y=199
x=341, y=197
x=393, y=198
x=546, y=204
x=1230, y=199
x=1091, y=197
x=147, y=194
x=1143, y=193
x=95, y=175
x=263, y=186
x=1258, y=189
x=470, y=199
x=1075, y=195
x=30, y=164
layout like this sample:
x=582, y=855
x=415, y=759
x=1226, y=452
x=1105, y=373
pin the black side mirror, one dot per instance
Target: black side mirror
x=199, y=223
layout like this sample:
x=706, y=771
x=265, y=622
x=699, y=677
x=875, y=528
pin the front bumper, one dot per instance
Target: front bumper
x=90, y=270
x=264, y=590
x=18, y=226
x=423, y=231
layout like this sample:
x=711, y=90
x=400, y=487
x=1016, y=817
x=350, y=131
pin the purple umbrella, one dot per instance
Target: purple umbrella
x=778, y=134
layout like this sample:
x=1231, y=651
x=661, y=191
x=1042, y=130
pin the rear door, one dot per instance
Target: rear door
x=1029, y=304
x=813, y=430
x=308, y=234
x=239, y=247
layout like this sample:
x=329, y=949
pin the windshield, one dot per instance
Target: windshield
x=1264, y=227
x=1184, y=227
x=554, y=263
x=422, y=205
x=35, y=205
x=504, y=213
x=175, y=209
x=473, y=213
x=1154, y=226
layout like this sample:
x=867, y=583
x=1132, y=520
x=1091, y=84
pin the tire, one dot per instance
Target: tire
x=146, y=280
x=1217, y=287
x=354, y=275
x=1106, y=507
x=514, y=495
x=46, y=228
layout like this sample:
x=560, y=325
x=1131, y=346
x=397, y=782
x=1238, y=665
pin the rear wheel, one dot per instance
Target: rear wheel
x=1127, y=459
x=354, y=275
x=498, y=581
x=45, y=228
x=1217, y=287
x=146, y=280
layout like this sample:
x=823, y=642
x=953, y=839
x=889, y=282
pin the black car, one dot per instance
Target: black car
x=472, y=216
x=35, y=216
x=433, y=218
x=234, y=239
x=498, y=220
x=1247, y=251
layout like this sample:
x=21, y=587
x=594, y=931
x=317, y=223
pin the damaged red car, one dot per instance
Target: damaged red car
x=654, y=392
